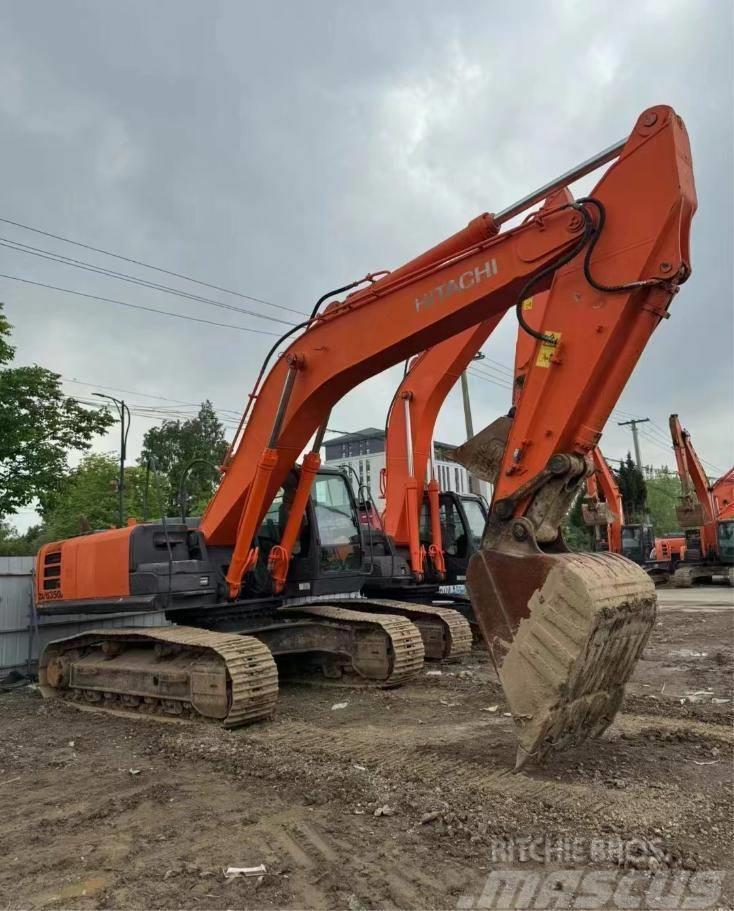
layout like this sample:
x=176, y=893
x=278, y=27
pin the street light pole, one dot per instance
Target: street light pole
x=473, y=483
x=124, y=413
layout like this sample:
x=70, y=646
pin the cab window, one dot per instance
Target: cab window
x=476, y=519
x=337, y=524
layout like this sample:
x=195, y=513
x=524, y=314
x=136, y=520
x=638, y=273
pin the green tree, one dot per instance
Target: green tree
x=577, y=534
x=87, y=500
x=39, y=426
x=175, y=445
x=632, y=486
x=13, y=544
x=663, y=494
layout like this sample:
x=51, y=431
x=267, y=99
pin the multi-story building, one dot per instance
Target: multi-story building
x=363, y=455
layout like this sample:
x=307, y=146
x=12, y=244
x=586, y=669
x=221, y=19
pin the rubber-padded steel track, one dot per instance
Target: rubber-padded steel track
x=405, y=640
x=455, y=636
x=565, y=671
x=251, y=679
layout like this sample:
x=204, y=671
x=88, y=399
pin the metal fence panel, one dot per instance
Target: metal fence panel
x=19, y=649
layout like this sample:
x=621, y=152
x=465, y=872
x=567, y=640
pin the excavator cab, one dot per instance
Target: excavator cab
x=463, y=517
x=638, y=541
x=725, y=538
x=328, y=556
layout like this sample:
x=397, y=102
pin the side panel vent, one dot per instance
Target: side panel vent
x=52, y=571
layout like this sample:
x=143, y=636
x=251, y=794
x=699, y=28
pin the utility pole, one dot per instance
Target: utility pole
x=635, y=438
x=124, y=413
x=473, y=483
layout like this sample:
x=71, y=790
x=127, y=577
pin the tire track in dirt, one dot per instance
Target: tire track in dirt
x=316, y=855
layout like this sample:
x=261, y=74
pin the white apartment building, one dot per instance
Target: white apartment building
x=362, y=454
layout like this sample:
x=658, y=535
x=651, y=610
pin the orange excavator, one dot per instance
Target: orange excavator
x=603, y=508
x=706, y=513
x=434, y=531
x=565, y=630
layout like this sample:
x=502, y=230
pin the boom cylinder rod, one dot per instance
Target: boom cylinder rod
x=581, y=170
x=282, y=405
x=320, y=434
x=408, y=435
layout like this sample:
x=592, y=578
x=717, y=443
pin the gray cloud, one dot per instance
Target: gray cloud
x=283, y=149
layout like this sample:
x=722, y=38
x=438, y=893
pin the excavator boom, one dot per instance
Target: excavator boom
x=634, y=235
x=705, y=513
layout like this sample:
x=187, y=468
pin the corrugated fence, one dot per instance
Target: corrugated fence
x=23, y=636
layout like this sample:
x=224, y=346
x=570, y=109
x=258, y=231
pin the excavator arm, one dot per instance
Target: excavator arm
x=697, y=508
x=608, y=509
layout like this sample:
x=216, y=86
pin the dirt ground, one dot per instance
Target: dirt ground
x=101, y=811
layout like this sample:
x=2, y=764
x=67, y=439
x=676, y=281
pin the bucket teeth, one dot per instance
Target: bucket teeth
x=565, y=670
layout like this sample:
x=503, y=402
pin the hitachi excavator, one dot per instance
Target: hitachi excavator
x=706, y=513
x=565, y=630
x=603, y=508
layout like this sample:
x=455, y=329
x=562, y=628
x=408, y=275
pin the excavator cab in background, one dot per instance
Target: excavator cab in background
x=638, y=542
x=462, y=517
x=565, y=630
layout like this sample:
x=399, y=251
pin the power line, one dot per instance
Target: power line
x=145, y=395
x=495, y=372
x=139, y=262
x=112, y=300
x=488, y=379
x=123, y=276
x=500, y=365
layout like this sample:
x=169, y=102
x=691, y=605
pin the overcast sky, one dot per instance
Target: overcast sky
x=284, y=149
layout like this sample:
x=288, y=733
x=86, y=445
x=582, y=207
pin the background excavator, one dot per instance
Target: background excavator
x=603, y=509
x=433, y=532
x=706, y=513
x=565, y=630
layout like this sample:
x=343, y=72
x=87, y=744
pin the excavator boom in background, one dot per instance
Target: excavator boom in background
x=705, y=512
x=565, y=630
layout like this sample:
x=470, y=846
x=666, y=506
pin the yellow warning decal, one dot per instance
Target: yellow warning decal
x=527, y=304
x=547, y=350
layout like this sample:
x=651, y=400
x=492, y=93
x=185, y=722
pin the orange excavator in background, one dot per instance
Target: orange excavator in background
x=603, y=508
x=706, y=513
x=434, y=531
x=422, y=543
x=565, y=630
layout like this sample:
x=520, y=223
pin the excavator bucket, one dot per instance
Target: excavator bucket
x=690, y=515
x=597, y=514
x=565, y=632
x=482, y=454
